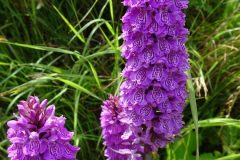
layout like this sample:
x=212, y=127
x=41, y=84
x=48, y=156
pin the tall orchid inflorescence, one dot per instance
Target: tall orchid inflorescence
x=38, y=134
x=119, y=143
x=154, y=92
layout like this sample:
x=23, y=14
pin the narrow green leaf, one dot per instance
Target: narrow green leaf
x=95, y=74
x=42, y=48
x=74, y=85
x=111, y=9
x=81, y=38
x=193, y=106
x=230, y=157
x=110, y=28
x=215, y=122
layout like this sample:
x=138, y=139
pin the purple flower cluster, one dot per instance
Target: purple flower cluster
x=154, y=93
x=118, y=139
x=38, y=134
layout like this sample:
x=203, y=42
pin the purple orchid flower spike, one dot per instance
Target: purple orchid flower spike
x=118, y=139
x=154, y=92
x=38, y=134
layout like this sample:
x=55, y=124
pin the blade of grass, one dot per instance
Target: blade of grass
x=74, y=85
x=86, y=47
x=42, y=48
x=193, y=106
x=216, y=122
x=75, y=114
x=230, y=157
x=95, y=74
x=80, y=37
x=111, y=9
x=88, y=12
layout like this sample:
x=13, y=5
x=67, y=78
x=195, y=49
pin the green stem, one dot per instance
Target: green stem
x=148, y=156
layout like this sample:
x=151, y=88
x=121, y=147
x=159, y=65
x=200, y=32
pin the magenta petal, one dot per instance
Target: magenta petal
x=64, y=134
x=12, y=124
x=35, y=133
x=50, y=111
x=44, y=104
x=154, y=87
x=69, y=151
x=43, y=146
x=54, y=150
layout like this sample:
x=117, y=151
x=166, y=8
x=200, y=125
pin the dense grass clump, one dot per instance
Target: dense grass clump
x=69, y=53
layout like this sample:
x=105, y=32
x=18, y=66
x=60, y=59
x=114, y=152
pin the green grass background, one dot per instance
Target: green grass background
x=68, y=52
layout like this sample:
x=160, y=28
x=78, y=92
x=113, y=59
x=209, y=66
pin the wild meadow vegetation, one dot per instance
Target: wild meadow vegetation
x=68, y=51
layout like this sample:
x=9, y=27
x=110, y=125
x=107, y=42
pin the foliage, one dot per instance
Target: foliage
x=68, y=52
